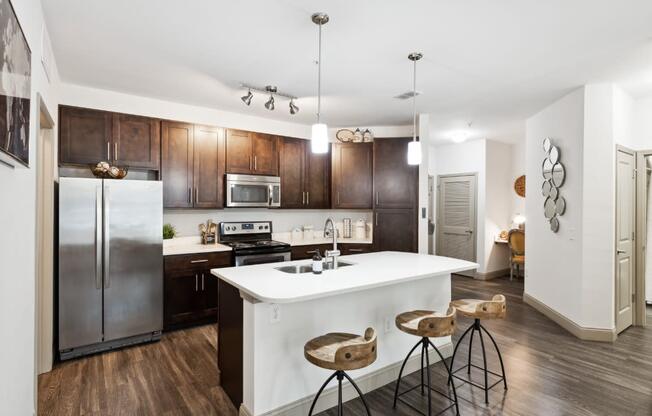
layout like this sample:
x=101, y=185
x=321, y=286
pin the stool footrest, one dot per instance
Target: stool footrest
x=480, y=386
x=431, y=389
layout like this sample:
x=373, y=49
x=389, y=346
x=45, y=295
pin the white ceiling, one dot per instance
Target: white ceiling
x=490, y=62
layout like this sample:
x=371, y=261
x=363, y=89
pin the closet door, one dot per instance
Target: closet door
x=456, y=221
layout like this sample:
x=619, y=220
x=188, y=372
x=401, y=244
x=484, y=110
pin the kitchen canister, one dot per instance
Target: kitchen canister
x=361, y=229
x=346, y=232
x=297, y=234
x=308, y=232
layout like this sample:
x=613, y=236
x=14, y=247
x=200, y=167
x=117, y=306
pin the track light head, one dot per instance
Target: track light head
x=270, y=103
x=293, y=107
x=247, y=98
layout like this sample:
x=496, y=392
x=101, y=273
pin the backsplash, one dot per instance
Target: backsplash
x=187, y=222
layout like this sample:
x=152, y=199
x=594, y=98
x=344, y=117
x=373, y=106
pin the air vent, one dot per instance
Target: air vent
x=407, y=95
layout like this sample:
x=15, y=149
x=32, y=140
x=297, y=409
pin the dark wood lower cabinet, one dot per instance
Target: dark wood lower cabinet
x=229, y=341
x=307, y=251
x=395, y=230
x=190, y=290
x=347, y=248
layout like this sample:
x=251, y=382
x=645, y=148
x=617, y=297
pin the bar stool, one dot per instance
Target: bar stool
x=341, y=352
x=480, y=309
x=426, y=324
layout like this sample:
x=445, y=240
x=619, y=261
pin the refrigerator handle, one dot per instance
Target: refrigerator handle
x=98, y=238
x=107, y=240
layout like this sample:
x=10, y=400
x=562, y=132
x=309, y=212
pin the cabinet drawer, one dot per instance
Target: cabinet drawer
x=198, y=261
x=356, y=249
x=306, y=252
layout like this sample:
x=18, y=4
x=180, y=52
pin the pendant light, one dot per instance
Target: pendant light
x=319, y=137
x=414, y=147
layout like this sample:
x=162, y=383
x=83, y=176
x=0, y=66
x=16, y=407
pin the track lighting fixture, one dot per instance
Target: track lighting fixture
x=247, y=98
x=293, y=107
x=270, y=103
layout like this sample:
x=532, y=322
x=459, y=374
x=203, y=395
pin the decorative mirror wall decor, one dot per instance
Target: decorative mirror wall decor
x=554, y=174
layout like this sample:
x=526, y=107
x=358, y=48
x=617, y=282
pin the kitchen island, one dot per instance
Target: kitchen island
x=260, y=351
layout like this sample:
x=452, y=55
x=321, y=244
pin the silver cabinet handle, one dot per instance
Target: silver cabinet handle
x=98, y=238
x=196, y=282
x=198, y=261
x=196, y=195
x=255, y=162
x=311, y=251
x=356, y=250
x=108, y=151
x=308, y=198
x=107, y=240
x=376, y=219
x=202, y=282
x=250, y=163
x=303, y=198
x=189, y=195
x=377, y=196
x=115, y=150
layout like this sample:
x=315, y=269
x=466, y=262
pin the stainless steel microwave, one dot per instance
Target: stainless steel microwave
x=253, y=191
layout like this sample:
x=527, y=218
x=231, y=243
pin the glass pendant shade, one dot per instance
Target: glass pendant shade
x=414, y=153
x=319, y=138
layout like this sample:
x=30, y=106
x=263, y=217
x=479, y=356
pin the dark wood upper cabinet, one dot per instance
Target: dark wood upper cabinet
x=239, y=151
x=265, y=154
x=251, y=153
x=177, y=164
x=291, y=169
x=317, y=179
x=193, y=166
x=208, y=162
x=91, y=136
x=395, y=182
x=136, y=141
x=352, y=186
x=395, y=230
x=84, y=136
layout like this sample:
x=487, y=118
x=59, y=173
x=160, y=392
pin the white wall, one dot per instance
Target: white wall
x=518, y=169
x=642, y=125
x=17, y=239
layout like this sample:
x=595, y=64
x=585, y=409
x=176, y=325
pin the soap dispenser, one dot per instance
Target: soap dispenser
x=317, y=263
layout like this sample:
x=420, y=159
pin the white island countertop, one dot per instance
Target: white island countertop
x=266, y=284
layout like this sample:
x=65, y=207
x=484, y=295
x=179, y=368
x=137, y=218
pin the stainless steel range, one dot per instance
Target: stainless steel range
x=252, y=243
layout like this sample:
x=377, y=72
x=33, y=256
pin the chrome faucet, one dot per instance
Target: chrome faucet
x=329, y=228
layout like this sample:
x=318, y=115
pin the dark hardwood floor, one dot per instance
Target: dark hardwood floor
x=549, y=372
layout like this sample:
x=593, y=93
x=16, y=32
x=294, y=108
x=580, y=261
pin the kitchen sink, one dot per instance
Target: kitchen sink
x=307, y=268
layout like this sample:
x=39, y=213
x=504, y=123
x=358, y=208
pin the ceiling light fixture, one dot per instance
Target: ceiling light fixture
x=319, y=137
x=247, y=98
x=414, y=147
x=461, y=135
x=293, y=107
x=270, y=103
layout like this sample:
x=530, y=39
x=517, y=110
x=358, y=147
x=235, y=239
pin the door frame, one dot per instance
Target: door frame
x=475, y=210
x=641, y=236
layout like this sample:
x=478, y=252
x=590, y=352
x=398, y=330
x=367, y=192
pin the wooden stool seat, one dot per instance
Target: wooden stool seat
x=427, y=323
x=482, y=309
x=341, y=352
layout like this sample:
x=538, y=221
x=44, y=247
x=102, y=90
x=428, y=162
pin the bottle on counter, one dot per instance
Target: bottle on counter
x=317, y=263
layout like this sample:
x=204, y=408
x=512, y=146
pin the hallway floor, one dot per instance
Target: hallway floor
x=549, y=372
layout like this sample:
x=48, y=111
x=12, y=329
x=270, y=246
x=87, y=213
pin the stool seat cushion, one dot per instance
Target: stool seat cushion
x=427, y=323
x=341, y=351
x=482, y=309
x=518, y=259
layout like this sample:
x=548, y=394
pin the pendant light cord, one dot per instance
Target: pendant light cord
x=414, y=103
x=319, y=79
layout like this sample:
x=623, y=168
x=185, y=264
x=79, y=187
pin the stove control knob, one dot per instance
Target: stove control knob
x=267, y=226
x=228, y=228
x=260, y=227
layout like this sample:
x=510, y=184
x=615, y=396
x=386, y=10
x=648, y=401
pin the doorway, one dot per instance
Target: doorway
x=46, y=176
x=431, y=214
x=456, y=216
x=644, y=237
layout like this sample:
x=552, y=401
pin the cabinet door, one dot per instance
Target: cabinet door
x=136, y=141
x=347, y=249
x=395, y=230
x=352, y=175
x=177, y=164
x=208, y=167
x=84, y=136
x=317, y=179
x=265, y=154
x=183, y=297
x=395, y=182
x=209, y=293
x=239, y=158
x=291, y=169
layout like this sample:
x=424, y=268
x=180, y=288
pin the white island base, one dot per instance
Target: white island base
x=281, y=312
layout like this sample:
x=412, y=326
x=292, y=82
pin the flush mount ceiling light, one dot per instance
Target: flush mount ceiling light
x=293, y=107
x=247, y=98
x=414, y=147
x=461, y=136
x=319, y=137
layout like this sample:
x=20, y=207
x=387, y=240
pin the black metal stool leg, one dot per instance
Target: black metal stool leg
x=486, y=377
x=459, y=341
x=468, y=370
x=339, y=393
x=448, y=370
x=355, y=386
x=500, y=357
x=400, y=373
x=422, y=366
x=328, y=380
x=425, y=348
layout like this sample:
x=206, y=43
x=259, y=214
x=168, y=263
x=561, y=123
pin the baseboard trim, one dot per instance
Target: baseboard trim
x=491, y=275
x=583, y=333
x=367, y=383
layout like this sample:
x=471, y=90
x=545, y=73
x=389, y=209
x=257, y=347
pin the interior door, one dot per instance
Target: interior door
x=625, y=226
x=133, y=263
x=456, y=217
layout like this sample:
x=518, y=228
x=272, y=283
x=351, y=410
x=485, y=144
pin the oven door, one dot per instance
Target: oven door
x=251, y=259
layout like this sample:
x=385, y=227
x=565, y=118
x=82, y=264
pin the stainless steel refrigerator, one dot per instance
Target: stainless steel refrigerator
x=110, y=282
